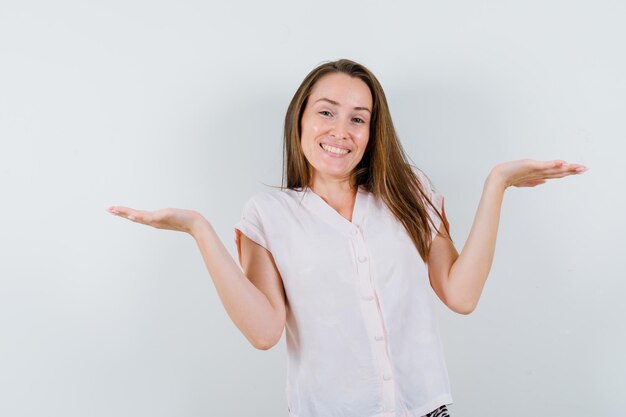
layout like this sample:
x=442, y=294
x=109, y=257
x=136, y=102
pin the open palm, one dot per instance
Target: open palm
x=529, y=173
x=168, y=218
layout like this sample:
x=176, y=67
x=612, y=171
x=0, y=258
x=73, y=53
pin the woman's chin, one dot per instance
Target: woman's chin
x=333, y=172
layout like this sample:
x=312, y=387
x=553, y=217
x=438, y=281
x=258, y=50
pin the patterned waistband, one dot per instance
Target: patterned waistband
x=440, y=412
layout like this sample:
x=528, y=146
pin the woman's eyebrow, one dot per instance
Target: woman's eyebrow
x=337, y=104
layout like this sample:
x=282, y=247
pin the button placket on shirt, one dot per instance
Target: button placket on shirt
x=373, y=313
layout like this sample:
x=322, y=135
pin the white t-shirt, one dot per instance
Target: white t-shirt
x=362, y=338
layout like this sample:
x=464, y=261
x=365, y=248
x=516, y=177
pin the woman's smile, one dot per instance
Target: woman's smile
x=333, y=151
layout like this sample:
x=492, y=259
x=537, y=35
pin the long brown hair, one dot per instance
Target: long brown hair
x=384, y=170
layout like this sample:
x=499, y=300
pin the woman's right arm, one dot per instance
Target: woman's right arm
x=254, y=298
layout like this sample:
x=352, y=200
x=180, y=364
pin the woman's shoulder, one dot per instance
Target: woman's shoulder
x=275, y=197
x=424, y=179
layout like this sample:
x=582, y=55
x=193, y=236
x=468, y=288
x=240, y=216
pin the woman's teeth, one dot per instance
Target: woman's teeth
x=334, y=150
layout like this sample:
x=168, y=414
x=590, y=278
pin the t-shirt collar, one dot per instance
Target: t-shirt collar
x=322, y=209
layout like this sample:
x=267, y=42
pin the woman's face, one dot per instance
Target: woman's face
x=335, y=125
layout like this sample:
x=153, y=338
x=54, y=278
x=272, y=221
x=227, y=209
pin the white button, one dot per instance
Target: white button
x=354, y=231
x=368, y=297
x=378, y=337
x=362, y=258
x=387, y=377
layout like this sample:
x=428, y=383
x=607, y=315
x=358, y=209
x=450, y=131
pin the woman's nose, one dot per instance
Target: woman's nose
x=340, y=128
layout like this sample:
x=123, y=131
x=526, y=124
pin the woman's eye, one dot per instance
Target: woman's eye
x=358, y=120
x=325, y=113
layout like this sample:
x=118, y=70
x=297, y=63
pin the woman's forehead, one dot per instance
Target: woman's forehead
x=342, y=89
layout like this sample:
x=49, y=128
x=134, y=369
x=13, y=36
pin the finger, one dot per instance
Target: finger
x=579, y=169
x=554, y=164
x=570, y=165
x=556, y=175
x=126, y=212
x=574, y=169
x=566, y=168
x=119, y=209
x=558, y=163
x=563, y=173
x=542, y=168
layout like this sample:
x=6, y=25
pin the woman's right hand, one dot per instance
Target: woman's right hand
x=169, y=218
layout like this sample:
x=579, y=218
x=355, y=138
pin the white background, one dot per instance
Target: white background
x=155, y=104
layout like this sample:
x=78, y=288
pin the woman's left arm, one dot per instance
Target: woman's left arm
x=458, y=279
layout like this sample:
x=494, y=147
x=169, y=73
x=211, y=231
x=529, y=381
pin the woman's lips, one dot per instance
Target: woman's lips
x=334, y=154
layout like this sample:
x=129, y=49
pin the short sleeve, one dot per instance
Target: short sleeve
x=435, y=197
x=251, y=225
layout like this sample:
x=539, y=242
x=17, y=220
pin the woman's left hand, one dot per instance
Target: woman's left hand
x=529, y=173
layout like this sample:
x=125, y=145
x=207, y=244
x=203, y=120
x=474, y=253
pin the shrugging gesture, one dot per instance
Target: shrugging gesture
x=351, y=271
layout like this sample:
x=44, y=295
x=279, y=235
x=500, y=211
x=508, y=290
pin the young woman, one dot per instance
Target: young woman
x=343, y=254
